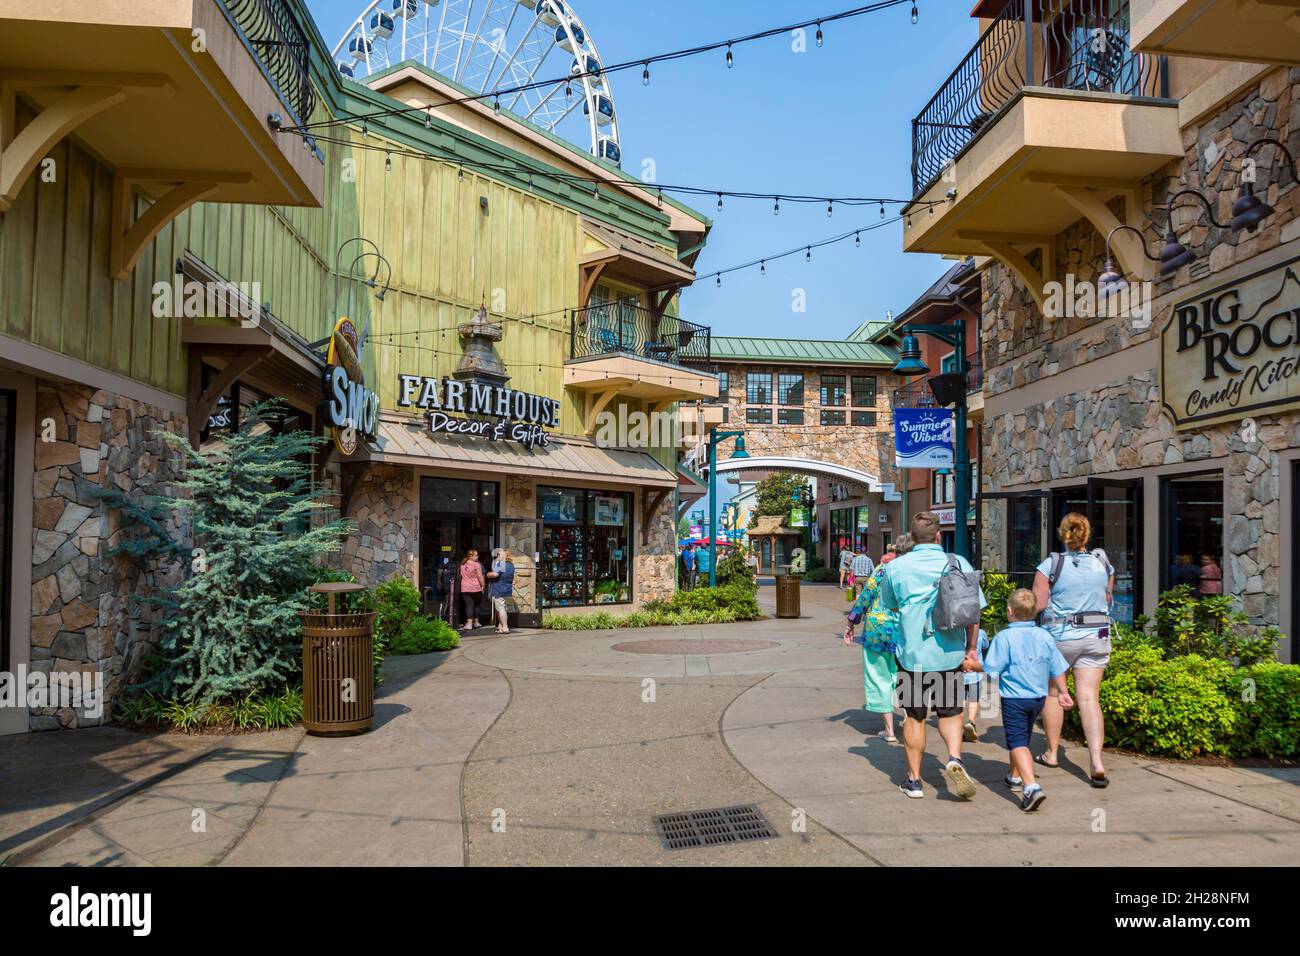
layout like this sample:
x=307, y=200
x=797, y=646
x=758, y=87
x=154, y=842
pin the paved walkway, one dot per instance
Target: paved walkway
x=561, y=748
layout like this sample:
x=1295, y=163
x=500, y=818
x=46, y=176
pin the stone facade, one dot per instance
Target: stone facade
x=384, y=507
x=86, y=611
x=1118, y=425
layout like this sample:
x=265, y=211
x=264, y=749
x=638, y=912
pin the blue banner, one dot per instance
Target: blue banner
x=923, y=438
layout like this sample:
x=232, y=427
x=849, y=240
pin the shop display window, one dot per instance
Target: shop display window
x=586, y=547
x=1193, y=533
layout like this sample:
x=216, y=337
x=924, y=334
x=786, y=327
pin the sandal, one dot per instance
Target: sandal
x=1099, y=780
x=1043, y=763
x=887, y=737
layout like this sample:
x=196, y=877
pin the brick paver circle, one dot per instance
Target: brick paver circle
x=686, y=646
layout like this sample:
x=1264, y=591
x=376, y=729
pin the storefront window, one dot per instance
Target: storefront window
x=1193, y=533
x=455, y=516
x=586, y=547
x=843, y=530
x=7, y=401
x=1115, y=510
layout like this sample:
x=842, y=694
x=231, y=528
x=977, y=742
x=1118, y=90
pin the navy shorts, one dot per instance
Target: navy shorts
x=1018, y=716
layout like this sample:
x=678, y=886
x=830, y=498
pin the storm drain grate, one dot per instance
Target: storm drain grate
x=681, y=831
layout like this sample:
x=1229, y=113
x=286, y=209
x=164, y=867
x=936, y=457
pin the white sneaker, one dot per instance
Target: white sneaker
x=958, y=780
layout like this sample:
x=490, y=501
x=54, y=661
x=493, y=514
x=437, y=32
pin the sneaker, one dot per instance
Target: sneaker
x=912, y=788
x=1014, y=784
x=970, y=732
x=1032, y=799
x=958, y=780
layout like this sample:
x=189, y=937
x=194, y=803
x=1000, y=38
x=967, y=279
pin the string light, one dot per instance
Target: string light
x=645, y=75
x=820, y=38
x=388, y=163
x=776, y=209
x=916, y=14
x=857, y=240
x=719, y=202
x=830, y=209
x=762, y=267
x=644, y=62
x=460, y=174
x=882, y=210
x=428, y=119
x=807, y=254
x=496, y=105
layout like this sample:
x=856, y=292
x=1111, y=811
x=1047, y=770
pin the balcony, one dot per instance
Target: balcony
x=1263, y=31
x=180, y=98
x=1047, y=120
x=918, y=394
x=625, y=350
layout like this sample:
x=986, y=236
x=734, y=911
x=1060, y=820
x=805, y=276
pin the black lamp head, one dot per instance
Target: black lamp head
x=1111, y=280
x=1174, y=255
x=1249, y=210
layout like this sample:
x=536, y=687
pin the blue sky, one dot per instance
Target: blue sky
x=835, y=120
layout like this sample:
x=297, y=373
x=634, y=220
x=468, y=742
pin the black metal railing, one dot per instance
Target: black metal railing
x=1080, y=45
x=914, y=396
x=620, y=328
x=974, y=373
x=281, y=44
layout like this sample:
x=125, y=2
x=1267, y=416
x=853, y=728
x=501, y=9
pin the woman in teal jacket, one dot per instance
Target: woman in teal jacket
x=879, y=642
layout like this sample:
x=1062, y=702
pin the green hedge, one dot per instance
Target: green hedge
x=1267, y=696
x=736, y=601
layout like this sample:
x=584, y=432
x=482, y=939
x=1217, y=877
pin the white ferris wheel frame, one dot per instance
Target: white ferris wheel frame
x=484, y=66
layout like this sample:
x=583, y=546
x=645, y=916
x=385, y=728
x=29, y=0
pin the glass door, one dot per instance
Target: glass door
x=1115, y=510
x=1022, y=520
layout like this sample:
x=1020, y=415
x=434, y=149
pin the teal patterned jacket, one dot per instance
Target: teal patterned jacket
x=879, y=625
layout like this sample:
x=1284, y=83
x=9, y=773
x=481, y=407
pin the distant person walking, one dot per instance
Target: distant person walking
x=472, y=585
x=879, y=644
x=862, y=568
x=688, y=566
x=930, y=660
x=501, y=588
x=702, y=565
x=1074, y=590
x=846, y=560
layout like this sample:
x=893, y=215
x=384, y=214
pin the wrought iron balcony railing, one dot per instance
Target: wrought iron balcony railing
x=281, y=44
x=919, y=395
x=1080, y=45
x=618, y=328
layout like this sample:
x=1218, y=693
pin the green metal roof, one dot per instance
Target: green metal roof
x=870, y=330
x=801, y=351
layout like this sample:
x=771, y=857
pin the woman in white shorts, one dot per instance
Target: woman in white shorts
x=1074, y=593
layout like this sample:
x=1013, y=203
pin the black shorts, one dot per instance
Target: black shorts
x=919, y=692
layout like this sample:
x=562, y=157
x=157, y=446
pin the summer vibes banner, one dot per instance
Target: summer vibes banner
x=923, y=438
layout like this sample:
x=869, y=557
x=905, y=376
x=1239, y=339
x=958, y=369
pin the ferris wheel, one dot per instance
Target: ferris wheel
x=490, y=45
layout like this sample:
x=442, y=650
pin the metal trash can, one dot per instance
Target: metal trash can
x=338, y=666
x=787, y=595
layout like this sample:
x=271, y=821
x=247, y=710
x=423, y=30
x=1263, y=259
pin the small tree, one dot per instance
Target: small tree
x=231, y=627
x=774, y=495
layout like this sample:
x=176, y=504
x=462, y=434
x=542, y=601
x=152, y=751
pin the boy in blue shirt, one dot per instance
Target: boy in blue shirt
x=1025, y=657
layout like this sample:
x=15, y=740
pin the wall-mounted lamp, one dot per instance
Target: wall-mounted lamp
x=1249, y=210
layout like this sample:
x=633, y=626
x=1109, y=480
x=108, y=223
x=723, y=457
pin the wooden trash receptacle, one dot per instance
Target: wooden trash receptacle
x=338, y=666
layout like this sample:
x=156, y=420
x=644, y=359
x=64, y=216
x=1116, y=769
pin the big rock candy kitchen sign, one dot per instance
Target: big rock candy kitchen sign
x=1234, y=350
x=510, y=415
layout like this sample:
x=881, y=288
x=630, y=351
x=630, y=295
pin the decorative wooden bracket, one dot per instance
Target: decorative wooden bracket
x=1126, y=247
x=202, y=402
x=589, y=275
x=129, y=238
x=596, y=402
x=1003, y=247
x=650, y=503
x=87, y=95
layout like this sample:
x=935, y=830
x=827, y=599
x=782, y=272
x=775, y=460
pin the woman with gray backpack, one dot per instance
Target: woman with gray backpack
x=1074, y=589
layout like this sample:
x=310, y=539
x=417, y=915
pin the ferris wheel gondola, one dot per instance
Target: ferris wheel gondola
x=490, y=46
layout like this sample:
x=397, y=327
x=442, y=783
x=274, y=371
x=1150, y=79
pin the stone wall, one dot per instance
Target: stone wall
x=86, y=615
x=384, y=507
x=1112, y=426
x=654, y=575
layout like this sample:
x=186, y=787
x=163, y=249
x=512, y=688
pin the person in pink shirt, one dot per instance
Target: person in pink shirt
x=472, y=585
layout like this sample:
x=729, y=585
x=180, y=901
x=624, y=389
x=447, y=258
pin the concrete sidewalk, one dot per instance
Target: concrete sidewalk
x=560, y=748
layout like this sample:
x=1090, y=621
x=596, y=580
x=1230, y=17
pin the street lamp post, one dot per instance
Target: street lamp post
x=716, y=438
x=910, y=364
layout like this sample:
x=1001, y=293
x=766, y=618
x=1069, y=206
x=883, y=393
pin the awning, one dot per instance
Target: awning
x=407, y=441
x=630, y=257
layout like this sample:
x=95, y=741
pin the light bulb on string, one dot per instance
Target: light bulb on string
x=661, y=199
x=762, y=267
x=719, y=278
x=830, y=209
x=460, y=174
x=882, y=210
x=568, y=90
x=807, y=254
x=428, y=119
x=719, y=202
x=365, y=130
x=820, y=37
x=645, y=75
x=731, y=60
x=916, y=14
x=388, y=163
x=857, y=240
x=776, y=206
x=496, y=105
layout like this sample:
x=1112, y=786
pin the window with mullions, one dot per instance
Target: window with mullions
x=758, y=388
x=832, y=418
x=865, y=419
x=789, y=389
x=833, y=390
x=724, y=385
x=758, y=416
x=864, y=391
x=943, y=489
x=789, y=416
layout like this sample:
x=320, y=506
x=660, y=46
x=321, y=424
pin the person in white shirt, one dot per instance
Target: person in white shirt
x=862, y=568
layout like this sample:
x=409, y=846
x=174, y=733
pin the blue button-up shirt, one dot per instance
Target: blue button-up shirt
x=910, y=589
x=1026, y=657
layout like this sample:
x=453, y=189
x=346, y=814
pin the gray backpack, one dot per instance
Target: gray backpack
x=957, y=603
